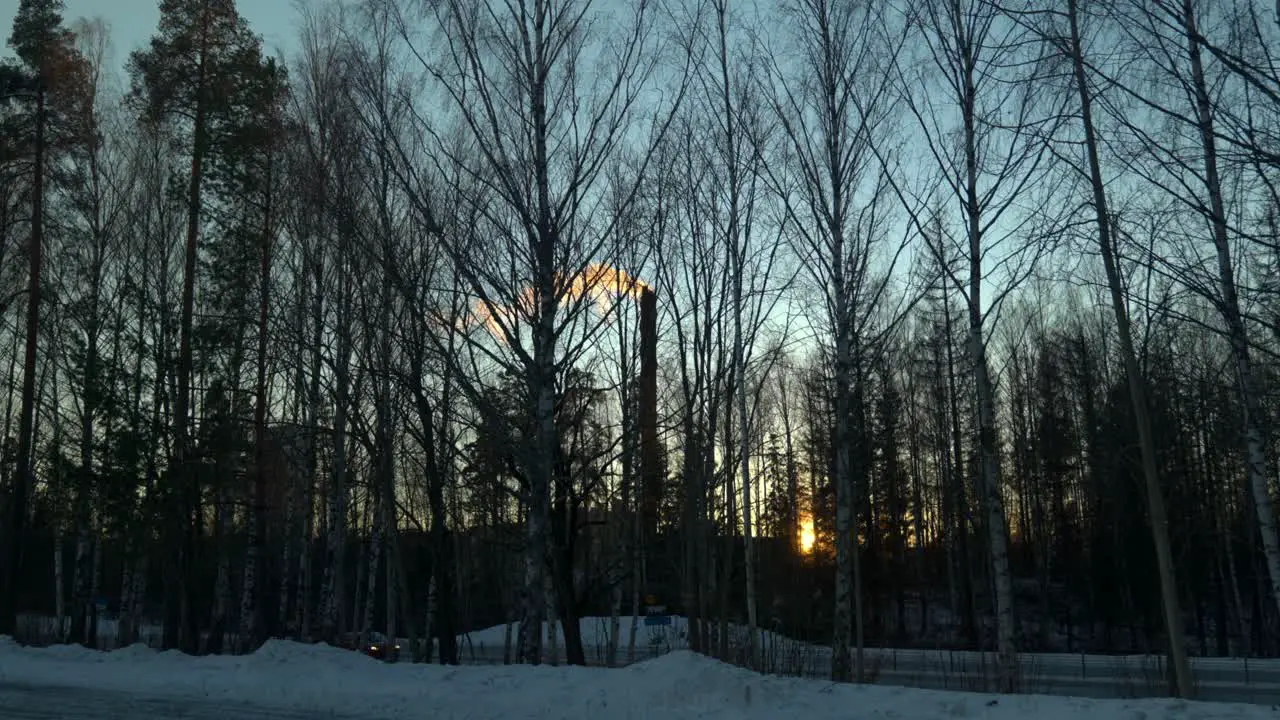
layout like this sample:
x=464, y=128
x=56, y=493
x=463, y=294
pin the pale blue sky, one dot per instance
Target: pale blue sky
x=132, y=22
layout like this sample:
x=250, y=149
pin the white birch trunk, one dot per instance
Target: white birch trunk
x=997, y=529
x=993, y=501
x=545, y=241
x=539, y=501
x=843, y=667
x=744, y=459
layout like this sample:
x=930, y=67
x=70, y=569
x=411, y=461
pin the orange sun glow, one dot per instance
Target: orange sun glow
x=807, y=536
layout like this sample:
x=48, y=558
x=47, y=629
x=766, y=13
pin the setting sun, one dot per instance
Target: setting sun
x=807, y=535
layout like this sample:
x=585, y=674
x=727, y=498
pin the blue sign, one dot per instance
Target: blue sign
x=657, y=620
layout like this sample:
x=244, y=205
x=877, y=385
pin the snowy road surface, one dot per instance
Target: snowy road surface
x=20, y=701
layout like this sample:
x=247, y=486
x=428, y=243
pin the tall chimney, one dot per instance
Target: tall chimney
x=650, y=455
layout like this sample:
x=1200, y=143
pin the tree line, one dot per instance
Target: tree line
x=940, y=323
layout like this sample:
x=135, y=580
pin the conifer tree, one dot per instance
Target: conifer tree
x=47, y=65
x=187, y=78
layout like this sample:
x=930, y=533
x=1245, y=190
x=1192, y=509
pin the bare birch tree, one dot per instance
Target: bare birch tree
x=737, y=126
x=984, y=120
x=692, y=274
x=1064, y=30
x=831, y=108
x=541, y=118
x=1199, y=181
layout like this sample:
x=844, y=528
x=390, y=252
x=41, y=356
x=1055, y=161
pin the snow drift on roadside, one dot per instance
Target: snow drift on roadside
x=318, y=678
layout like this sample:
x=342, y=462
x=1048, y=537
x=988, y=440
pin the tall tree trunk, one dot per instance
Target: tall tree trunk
x=388, y=521
x=284, y=600
x=551, y=651
x=562, y=566
x=956, y=487
x=376, y=535
x=694, y=490
x=615, y=623
x=127, y=598
x=84, y=489
x=729, y=553
x=23, y=479
x=997, y=529
x=842, y=665
x=59, y=585
x=744, y=464
x=542, y=390
x=793, y=472
x=637, y=581
x=91, y=392
x=6, y=476
x=253, y=620
x=222, y=582
x=633, y=520
x=993, y=501
x=306, y=565
x=363, y=530
x=302, y=415
x=1183, y=684
x=74, y=629
x=441, y=624
x=860, y=496
x=181, y=587
x=95, y=584
x=335, y=617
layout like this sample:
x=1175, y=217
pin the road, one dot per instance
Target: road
x=47, y=702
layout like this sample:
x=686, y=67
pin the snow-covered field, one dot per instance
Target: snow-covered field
x=321, y=681
x=1097, y=676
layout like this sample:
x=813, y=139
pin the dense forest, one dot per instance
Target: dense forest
x=887, y=323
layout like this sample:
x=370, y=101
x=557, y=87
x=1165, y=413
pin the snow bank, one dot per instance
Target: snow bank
x=323, y=680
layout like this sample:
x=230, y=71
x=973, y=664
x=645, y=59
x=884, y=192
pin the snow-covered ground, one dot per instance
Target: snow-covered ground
x=1098, y=676
x=323, y=682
